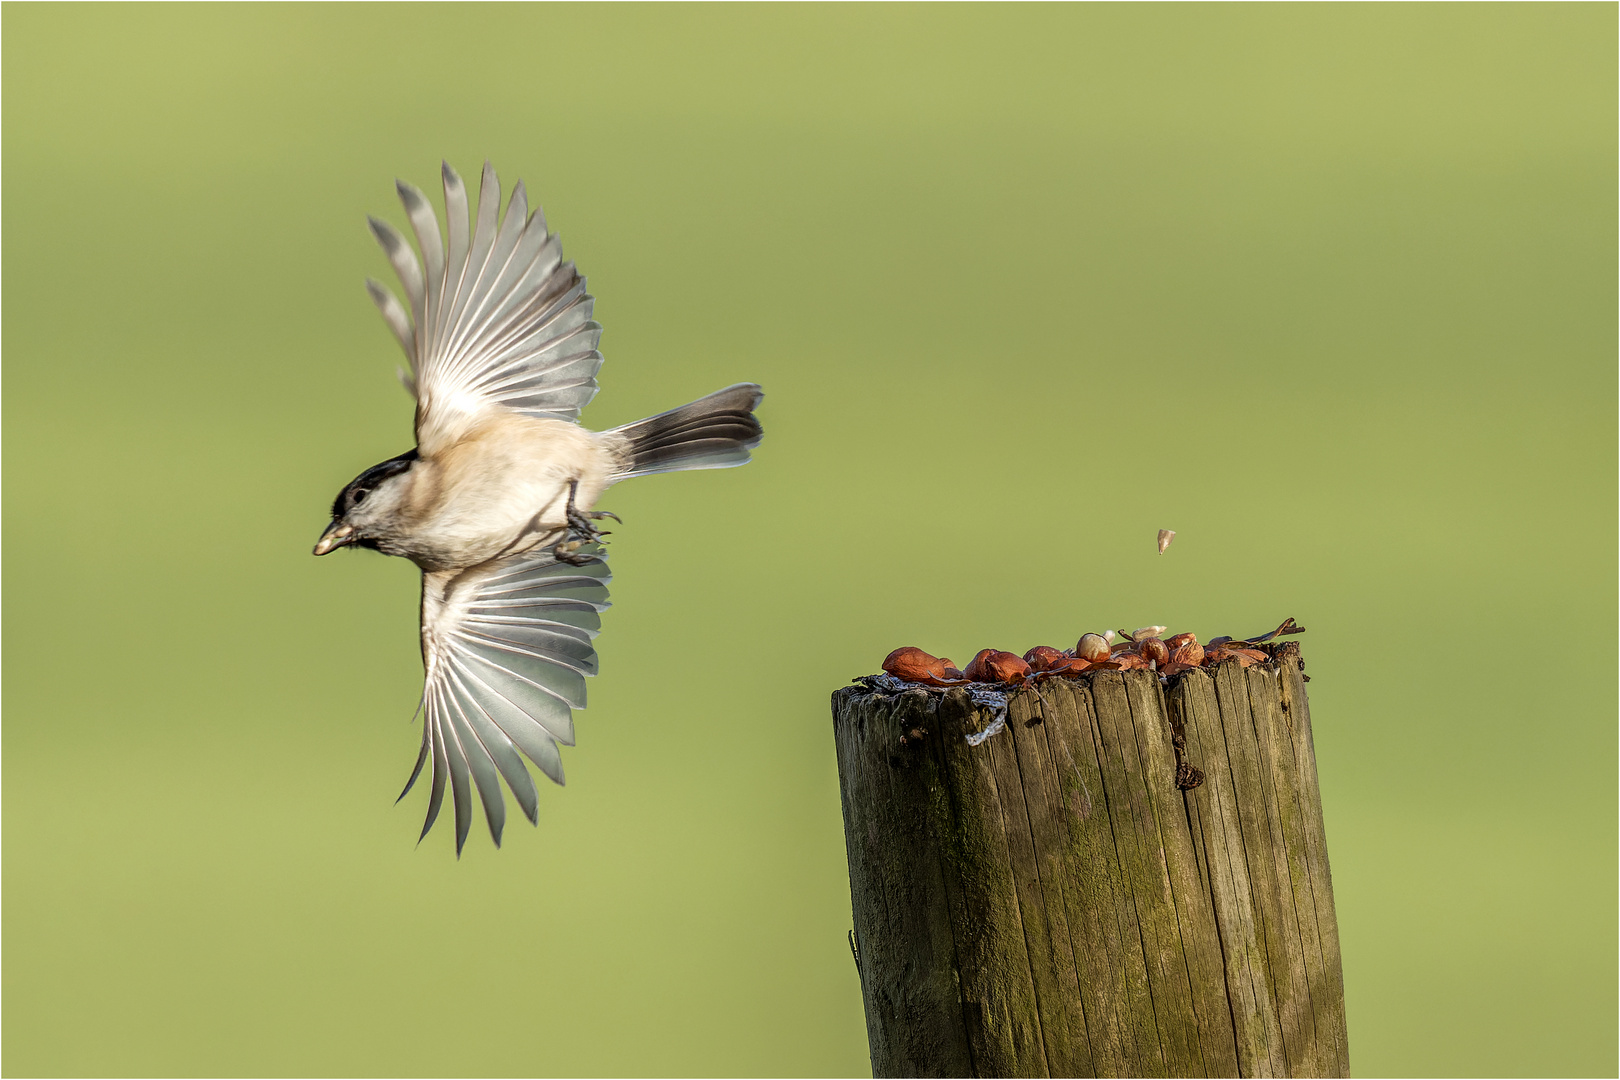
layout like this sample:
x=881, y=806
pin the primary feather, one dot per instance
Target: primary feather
x=507, y=646
x=496, y=320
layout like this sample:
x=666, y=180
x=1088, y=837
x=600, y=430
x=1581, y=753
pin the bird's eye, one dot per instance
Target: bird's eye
x=358, y=497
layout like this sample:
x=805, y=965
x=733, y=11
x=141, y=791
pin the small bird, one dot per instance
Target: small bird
x=496, y=502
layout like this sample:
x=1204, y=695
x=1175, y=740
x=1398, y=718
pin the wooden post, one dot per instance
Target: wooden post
x=1049, y=902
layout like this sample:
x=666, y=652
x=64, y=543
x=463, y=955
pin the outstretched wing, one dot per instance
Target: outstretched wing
x=497, y=318
x=507, y=646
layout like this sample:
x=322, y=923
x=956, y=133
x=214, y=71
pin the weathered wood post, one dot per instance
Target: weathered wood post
x=1049, y=902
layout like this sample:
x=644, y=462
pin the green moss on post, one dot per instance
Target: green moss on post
x=1050, y=903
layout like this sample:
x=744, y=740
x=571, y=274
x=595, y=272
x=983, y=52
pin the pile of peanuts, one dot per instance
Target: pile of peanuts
x=1141, y=650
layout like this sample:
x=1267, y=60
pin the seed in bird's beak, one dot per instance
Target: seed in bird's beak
x=1165, y=536
x=334, y=537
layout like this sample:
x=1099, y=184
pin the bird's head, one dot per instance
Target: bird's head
x=366, y=510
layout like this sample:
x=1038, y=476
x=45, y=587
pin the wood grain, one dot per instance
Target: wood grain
x=1049, y=903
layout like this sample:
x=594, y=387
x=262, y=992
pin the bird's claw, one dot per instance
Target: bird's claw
x=581, y=530
x=567, y=551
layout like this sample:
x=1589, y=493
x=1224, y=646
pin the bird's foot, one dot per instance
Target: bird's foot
x=581, y=530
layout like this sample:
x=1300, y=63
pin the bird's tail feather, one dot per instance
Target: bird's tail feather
x=713, y=432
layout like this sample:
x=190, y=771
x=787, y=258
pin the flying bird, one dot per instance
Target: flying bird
x=496, y=502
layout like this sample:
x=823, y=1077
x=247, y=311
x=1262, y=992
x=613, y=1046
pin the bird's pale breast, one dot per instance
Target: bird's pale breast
x=503, y=489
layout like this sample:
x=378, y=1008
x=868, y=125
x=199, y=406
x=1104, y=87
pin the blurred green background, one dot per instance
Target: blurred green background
x=1330, y=290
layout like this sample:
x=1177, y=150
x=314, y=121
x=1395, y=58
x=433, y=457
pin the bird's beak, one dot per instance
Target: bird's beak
x=335, y=536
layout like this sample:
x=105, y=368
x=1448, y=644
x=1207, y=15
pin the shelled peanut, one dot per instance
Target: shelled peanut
x=1143, y=649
